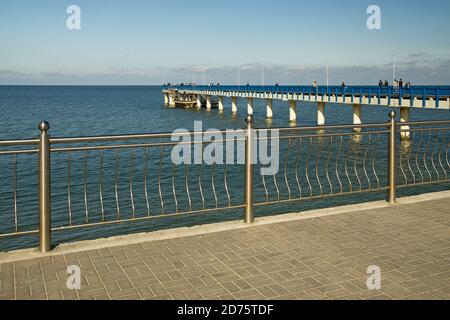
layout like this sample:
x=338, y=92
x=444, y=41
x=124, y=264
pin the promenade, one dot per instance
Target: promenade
x=318, y=255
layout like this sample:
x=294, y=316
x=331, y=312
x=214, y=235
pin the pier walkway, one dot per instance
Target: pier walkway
x=310, y=256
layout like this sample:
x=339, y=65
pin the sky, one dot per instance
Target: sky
x=279, y=41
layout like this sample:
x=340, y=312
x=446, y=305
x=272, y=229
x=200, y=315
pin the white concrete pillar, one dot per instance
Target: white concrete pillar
x=404, y=117
x=199, y=102
x=208, y=103
x=220, y=103
x=292, y=111
x=357, y=118
x=171, y=100
x=249, y=105
x=269, y=105
x=321, y=114
x=166, y=99
x=234, y=105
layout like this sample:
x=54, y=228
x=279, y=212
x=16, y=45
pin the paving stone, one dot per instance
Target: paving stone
x=321, y=258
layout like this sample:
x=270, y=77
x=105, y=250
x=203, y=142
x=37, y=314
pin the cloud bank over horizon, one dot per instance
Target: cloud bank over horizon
x=419, y=69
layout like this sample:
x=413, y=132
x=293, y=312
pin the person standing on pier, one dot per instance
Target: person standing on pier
x=380, y=83
x=395, y=84
x=315, y=86
x=395, y=87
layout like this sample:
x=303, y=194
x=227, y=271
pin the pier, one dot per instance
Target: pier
x=404, y=99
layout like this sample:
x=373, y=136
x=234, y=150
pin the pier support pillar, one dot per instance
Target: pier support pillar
x=220, y=104
x=404, y=117
x=199, y=102
x=250, y=106
x=208, y=103
x=171, y=100
x=166, y=99
x=357, y=118
x=321, y=114
x=292, y=111
x=269, y=105
x=234, y=105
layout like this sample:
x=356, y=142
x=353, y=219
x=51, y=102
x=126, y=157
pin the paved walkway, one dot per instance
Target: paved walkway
x=320, y=258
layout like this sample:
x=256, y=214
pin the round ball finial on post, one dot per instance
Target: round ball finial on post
x=44, y=126
x=249, y=119
x=392, y=114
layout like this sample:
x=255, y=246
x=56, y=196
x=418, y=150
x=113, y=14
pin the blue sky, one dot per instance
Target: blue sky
x=140, y=42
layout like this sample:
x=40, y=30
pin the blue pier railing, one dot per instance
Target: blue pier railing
x=355, y=93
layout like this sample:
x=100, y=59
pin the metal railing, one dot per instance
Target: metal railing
x=105, y=180
x=320, y=162
x=424, y=155
x=355, y=93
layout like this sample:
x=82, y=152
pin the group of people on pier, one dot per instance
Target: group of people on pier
x=382, y=84
x=396, y=84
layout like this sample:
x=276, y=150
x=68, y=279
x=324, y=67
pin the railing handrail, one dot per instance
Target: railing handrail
x=18, y=142
x=306, y=86
x=439, y=92
x=127, y=137
x=423, y=123
x=162, y=135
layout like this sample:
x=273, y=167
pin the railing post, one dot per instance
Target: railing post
x=44, y=189
x=392, y=159
x=400, y=96
x=249, y=210
x=437, y=98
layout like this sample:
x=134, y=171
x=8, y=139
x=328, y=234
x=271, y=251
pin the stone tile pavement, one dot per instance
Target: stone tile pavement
x=319, y=258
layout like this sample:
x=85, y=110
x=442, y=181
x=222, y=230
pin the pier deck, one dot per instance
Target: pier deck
x=432, y=97
x=405, y=99
x=321, y=257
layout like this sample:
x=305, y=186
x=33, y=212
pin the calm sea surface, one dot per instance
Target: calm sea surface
x=102, y=110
